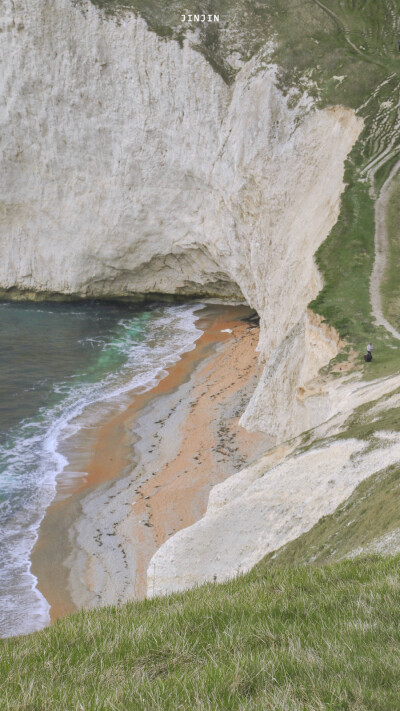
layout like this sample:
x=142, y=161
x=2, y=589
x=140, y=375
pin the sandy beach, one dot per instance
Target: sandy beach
x=145, y=472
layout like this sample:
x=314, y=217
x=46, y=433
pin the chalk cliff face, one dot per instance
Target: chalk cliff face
x=129, y=166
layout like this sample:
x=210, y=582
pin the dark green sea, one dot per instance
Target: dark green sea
x=56, y=362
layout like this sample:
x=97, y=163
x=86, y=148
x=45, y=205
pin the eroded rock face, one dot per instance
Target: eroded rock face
x=289, y=399
x=129, y=166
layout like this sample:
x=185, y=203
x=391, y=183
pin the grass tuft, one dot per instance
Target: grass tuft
x=284, y=638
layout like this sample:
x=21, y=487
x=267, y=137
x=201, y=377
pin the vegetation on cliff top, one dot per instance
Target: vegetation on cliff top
x=310, y=38
x=290, y=639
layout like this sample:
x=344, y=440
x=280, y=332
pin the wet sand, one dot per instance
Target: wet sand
x=146, y=472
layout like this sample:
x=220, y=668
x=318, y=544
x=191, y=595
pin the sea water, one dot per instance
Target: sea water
x=57, y=361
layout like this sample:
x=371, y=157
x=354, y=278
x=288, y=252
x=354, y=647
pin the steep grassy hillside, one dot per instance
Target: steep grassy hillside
x=391, y=283
x=288, y=639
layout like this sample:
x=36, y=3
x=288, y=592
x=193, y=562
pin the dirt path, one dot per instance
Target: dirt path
x=381, y=252
x=342, y=26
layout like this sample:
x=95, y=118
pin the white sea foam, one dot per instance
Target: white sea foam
x=34, y=462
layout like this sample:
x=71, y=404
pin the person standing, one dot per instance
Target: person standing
x=368, y=357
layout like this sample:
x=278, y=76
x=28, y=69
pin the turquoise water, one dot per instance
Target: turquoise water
x=56, y=362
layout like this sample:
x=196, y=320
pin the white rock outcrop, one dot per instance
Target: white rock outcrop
x=285, y=492
x=288, y=399
x=261, y=509
x=130, y=167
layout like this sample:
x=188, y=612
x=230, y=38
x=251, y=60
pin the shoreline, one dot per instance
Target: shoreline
x=145, y=476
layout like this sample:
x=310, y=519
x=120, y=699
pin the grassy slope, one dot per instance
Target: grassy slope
x=391, y=284
x=291, y=639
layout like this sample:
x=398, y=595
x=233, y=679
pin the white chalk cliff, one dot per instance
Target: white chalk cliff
x=129, y=167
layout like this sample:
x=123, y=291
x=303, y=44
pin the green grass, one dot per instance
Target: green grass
x=383, y=173
x=346, y=259
x=365, y=421
x=294, y=639
x=391, y=283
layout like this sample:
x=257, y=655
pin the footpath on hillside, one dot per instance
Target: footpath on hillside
x=381, y=252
